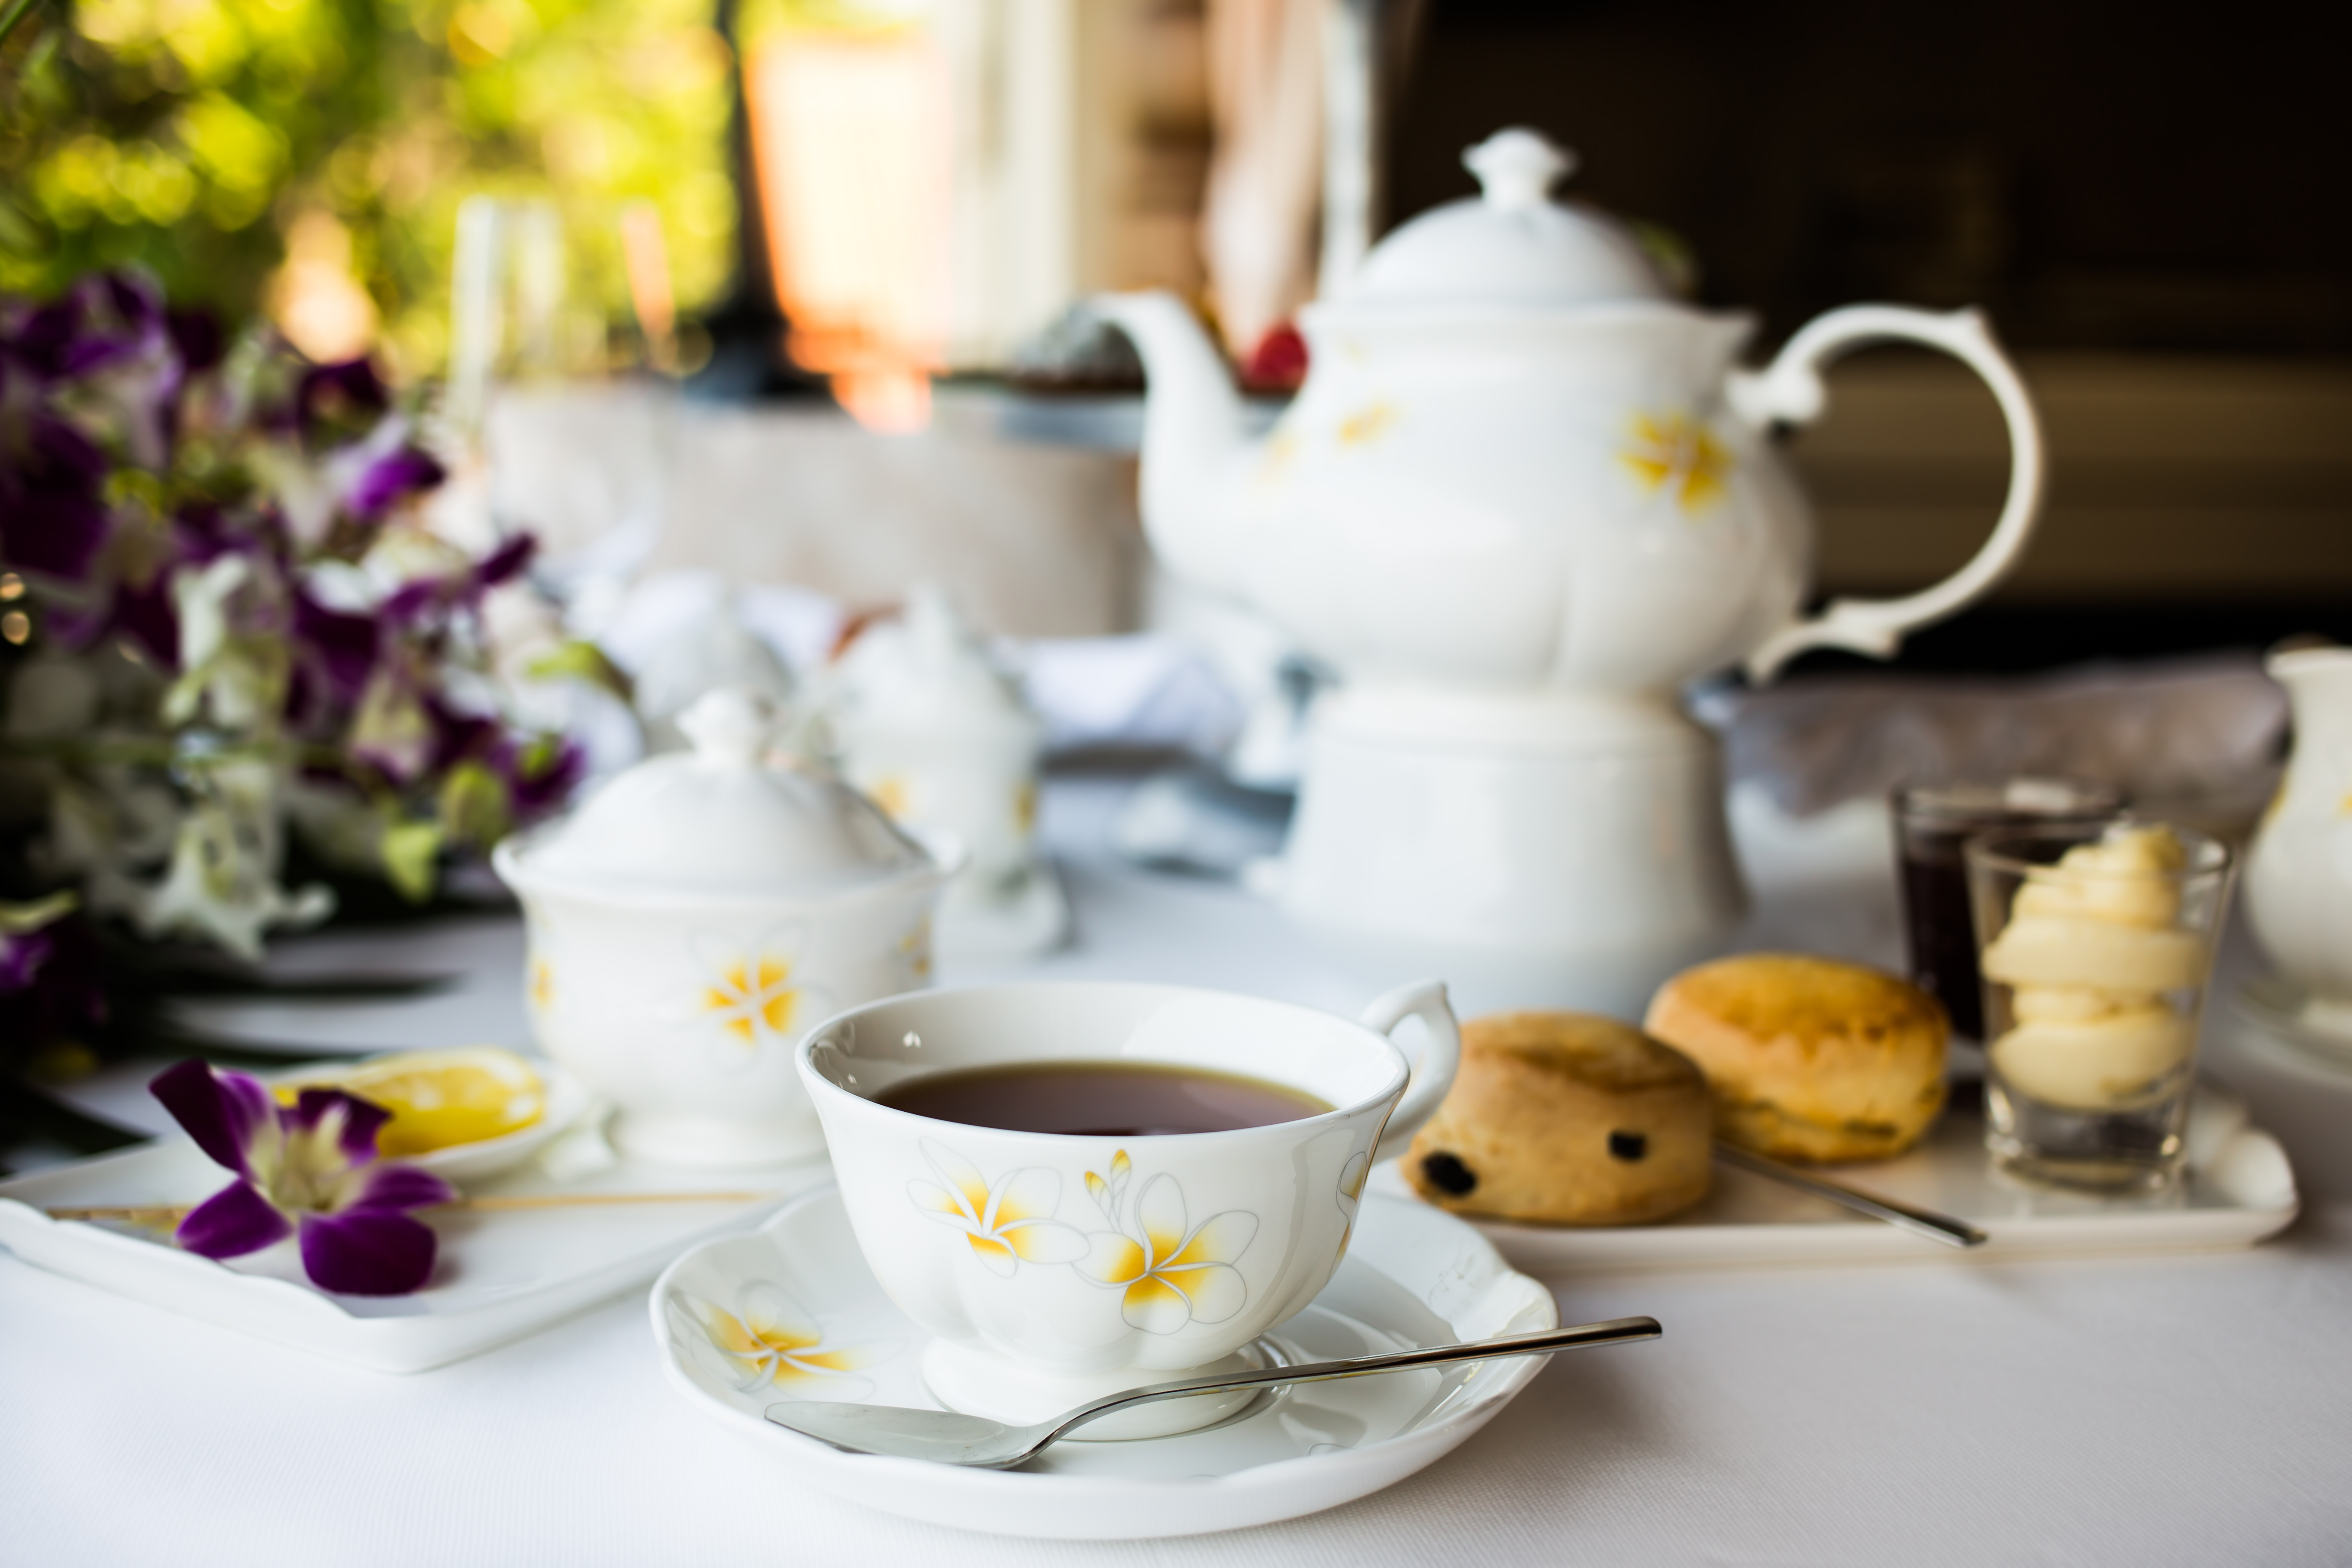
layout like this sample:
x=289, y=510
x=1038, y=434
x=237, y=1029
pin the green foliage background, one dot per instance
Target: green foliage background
x=186, y=136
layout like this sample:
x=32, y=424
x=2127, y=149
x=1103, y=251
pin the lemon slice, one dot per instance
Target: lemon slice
x=441, y=1098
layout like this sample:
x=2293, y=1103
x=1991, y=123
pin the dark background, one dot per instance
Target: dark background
x=2165, y=188
x=2097, y=175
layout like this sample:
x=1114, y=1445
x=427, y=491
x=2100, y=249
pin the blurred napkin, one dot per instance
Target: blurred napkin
x=1150, y=691
x=2207, y=728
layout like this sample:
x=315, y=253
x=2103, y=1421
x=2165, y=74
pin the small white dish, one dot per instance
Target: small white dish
x=1412, y=1276
x=502, y=1273
x=2238, y=1190
x=568, y=1100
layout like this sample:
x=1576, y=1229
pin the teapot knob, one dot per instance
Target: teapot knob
x=1517, y=168
x=730, y=726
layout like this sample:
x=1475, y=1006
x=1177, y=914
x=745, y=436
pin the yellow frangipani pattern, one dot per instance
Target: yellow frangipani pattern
x=1367, y=425
x=1677, y=457
x=1109, y=1192
x=1168, y=1275
x=891, y=794
x=753, y=997
x=915, y=947
x=1007, y=1222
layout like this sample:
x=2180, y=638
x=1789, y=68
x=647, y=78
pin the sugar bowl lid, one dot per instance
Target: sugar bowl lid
x=927, y=669
x=1511, y=246
x=719, y=819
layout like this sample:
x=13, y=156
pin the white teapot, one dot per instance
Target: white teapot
x=1523, y=495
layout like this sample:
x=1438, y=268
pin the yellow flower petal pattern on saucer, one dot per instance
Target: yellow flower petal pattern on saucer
x=771, y=1341
x=439, y=1098
x=772, y=1345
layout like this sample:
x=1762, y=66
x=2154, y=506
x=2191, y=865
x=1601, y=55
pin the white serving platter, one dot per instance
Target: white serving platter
x=2238, y=1190
x=1412, y=1276
x=501, y=1274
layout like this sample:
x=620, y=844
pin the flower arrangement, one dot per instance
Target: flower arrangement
x=231, y=639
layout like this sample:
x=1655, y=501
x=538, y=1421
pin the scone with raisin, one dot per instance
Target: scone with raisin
x=1565, y=1118
x=1809, y=1058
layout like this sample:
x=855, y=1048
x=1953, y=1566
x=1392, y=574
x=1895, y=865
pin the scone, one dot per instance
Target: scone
x=1565, y=1118
x=1809, y=1058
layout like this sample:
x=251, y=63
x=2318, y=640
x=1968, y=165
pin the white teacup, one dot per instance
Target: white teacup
x=1054, y=1267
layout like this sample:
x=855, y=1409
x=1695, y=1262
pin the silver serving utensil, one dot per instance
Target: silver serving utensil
x=1923, y=1222
x=950, y=1438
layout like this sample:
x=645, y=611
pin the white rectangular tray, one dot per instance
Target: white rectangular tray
x=2238, y=1191
x=501, y=1274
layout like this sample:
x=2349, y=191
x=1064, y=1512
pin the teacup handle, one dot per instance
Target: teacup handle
x=1433, y=1075
x=1790, y=391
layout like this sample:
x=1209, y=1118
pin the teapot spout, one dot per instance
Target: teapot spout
x=1194, y=437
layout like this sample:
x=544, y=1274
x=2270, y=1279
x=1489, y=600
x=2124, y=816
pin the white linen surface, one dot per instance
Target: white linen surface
x=2190, y=1410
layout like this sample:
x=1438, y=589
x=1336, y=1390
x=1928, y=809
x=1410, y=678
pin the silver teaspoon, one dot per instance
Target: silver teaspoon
x=951, y=1438
x=1936, y=1226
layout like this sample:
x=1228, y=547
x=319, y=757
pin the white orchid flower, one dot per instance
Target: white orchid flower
x=222, y=883
x=238, y=680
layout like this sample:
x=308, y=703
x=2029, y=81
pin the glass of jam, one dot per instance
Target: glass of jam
x=1931, y=823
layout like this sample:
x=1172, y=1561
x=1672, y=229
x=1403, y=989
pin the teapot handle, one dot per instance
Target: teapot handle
x=1789, y=391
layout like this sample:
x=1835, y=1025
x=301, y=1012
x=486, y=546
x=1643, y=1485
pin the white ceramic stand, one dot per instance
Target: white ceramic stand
x=1538, y=850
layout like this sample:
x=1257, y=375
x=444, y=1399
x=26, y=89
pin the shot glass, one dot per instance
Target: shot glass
x=1931, y=823
x=2095, y=944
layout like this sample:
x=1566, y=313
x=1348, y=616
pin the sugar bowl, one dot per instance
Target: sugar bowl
x=694, y=917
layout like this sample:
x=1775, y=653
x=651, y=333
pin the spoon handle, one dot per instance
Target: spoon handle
x=1617, y=1330
x=1923, y=1222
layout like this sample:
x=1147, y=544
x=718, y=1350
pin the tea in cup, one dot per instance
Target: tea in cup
x=1080, y=1187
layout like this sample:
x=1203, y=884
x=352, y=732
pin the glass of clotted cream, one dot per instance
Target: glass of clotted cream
x=2095, y=943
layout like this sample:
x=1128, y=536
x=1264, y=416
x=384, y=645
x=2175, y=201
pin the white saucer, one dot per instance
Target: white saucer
x=1413, y=1277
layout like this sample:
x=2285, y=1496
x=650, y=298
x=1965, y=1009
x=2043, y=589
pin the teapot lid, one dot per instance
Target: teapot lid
x=1512, y=245
x=722, y=819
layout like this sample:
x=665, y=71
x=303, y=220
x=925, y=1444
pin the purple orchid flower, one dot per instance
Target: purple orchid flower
x=335, y=402
x=311, y=1170
x=147, y=617
x=391, y=478
x=53, y=517
x=540, y=773
x=343, y=647
x=416, y=602
x=52, y=986
x=22, y=954
x=101, y=323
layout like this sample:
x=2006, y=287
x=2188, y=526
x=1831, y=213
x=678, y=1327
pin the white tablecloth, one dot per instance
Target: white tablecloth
x=2191, y=1410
